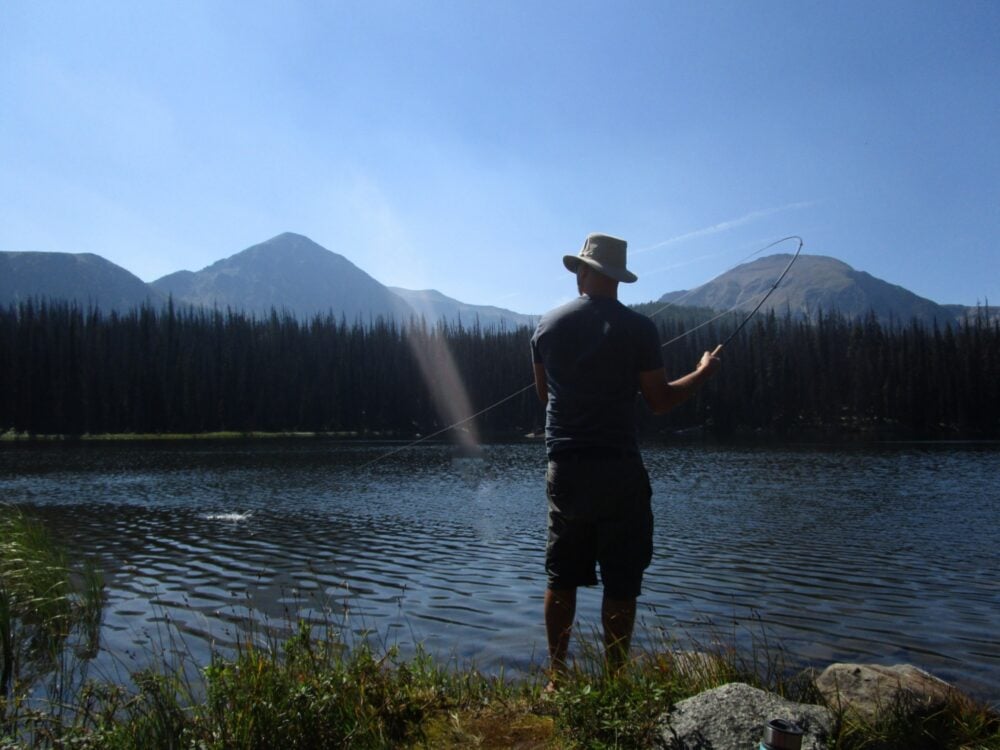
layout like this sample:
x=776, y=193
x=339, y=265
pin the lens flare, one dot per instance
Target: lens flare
x=444, y=383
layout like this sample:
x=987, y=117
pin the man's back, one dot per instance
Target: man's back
x=593, y=349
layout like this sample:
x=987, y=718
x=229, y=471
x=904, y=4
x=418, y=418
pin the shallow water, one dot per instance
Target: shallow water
x=839, y=553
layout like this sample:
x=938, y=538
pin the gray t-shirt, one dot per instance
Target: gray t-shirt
x=593, y=350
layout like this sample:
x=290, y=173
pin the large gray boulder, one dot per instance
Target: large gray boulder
x=869, y=690
x=732, y=717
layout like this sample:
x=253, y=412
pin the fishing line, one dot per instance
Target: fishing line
x=445, y=429
x=688, y=332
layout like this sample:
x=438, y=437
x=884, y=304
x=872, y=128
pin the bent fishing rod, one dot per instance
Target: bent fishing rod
x=688, y=332
x=773, y=287
x=738, y=305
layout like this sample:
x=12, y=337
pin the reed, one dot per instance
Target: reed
x=44, y=604
x=961, y=724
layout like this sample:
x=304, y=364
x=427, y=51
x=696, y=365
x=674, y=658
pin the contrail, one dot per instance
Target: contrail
x=726, y=225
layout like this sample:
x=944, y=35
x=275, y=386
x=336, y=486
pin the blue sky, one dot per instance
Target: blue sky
x=466, y=145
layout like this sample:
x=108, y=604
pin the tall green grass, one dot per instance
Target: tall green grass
x=308, y=691
x=960, y=724
x=45, y=604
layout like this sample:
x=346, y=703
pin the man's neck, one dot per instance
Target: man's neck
x=598, y=285
x=606, y=290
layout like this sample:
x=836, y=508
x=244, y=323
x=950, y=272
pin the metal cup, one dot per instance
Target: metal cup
x=781, y=734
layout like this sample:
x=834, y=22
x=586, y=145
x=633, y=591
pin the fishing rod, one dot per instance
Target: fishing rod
x=688, y=332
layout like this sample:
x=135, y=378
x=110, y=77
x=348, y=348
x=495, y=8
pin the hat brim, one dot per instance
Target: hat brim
x=572, y=262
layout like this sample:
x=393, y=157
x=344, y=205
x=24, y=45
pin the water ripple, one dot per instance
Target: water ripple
x=838, y=553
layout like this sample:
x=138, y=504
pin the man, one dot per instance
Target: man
x=590, y=357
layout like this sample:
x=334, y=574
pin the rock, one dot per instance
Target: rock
x=732, y=717
x=870, y=689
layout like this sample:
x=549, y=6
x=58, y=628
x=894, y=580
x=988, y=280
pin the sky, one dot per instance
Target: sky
x=466, y=145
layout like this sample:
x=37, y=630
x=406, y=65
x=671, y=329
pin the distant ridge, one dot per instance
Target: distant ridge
x=84, y=278
x=432, y=305
x=815, y=283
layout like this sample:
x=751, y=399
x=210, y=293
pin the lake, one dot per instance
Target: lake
x=882, y=553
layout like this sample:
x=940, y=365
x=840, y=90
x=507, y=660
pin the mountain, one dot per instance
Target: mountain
x=433, y=306
x=294, y=274
x=814, y=282
x=85, y=278
x=289, y=273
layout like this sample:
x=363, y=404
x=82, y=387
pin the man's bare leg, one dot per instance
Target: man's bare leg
x=560, y=609
x=618, y=618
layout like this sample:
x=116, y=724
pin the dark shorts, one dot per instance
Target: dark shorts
x=599, y=514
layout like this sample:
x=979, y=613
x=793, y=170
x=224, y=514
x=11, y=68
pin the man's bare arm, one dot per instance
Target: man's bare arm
x=663, y=395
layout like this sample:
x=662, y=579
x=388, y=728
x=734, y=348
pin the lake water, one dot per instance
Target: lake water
x=884, y=553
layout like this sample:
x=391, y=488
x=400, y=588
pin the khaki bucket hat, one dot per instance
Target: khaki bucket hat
x=605, y=255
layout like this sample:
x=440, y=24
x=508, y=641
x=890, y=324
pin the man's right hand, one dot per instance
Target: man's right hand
x=710, y=361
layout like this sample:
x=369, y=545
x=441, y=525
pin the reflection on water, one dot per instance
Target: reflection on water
x=884, y=554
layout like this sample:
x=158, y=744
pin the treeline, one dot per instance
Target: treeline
x=67, y=370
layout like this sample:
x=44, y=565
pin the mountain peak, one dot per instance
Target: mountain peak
x=287, y=244
x=287, y=272
x=290, y=239
x=814, y=283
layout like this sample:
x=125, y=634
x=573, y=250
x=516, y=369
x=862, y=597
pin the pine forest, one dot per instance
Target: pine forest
x=69, y=371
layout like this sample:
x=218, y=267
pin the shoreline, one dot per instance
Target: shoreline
x=685, y=437
x=357, y=438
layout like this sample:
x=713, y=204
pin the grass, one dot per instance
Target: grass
x=307, y=689
x=310, y=691
x=44, y=604
x=305, y=692
x=961, y=724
